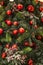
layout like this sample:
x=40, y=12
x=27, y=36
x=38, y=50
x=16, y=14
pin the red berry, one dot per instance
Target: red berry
x=31, y=22
x=7, y=46
x=15, y=32
x=32, y=44
x=41, y=8
x=21, y=30
x=1, y=31
x=30, y=62
x=3, y=55
x=42, y=20
x=15, y=23
x=35, y=26
x=19, y=6
x=8, y=12
x=30, y=8
x=2, y=3
x=14, y=46
x=39, y=37
x=8, y=22
x=26, y=44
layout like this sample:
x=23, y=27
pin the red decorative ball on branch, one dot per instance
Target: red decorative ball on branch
x=15, y=32
x=1, y=31
x=30, y=8
x=3, y=55
x=9, y=12
x=19, y=6
x=21, y=30
x=8, y=22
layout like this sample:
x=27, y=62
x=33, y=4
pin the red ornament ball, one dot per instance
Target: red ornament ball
x=2, y=3
x=14, y=46
x=15, y=23
x=8, y=22
x=15, y=32
x=41, y=8
x=26, y=43
x=30, y=8
x=21, y=30
x=9, y=12
x=19, y=6
x=39, y=37
x=1, y=31
x=7, y=46
x=30, y=62
x=42, y=19
x=31, y=22
x=3, y=55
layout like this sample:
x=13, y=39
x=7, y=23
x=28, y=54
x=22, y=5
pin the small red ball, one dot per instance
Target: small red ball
x=15, y=23
x=8, y=22
x=19, y=6
x=26, y=43
x=3, y=55
x=35, y=27
x=8, y=12
x=2, y=3
x=30, y=8
x=14, y=46
x=42, y=20
x=30, y=62
x=39, y=37
x=21, y=30
x=41, y=8
x=15, y=32
x=31, y=22
x=7, y=46
x=1, y=31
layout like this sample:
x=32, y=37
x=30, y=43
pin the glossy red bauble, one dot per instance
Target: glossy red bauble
x=9, y=12
x=39, y=37
x=21, y=30
x=7, y=46
x=15, y=23
x=41, y=8
x=1, y=31
x=3, y=55
x=30, y=8
x=19, y=6
x=31, y=22
x=2, y=3
x=30, y=62
x=15, y=32
x=42, y=19
x=14, y=46
x=26, y=43
x=8, y=22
